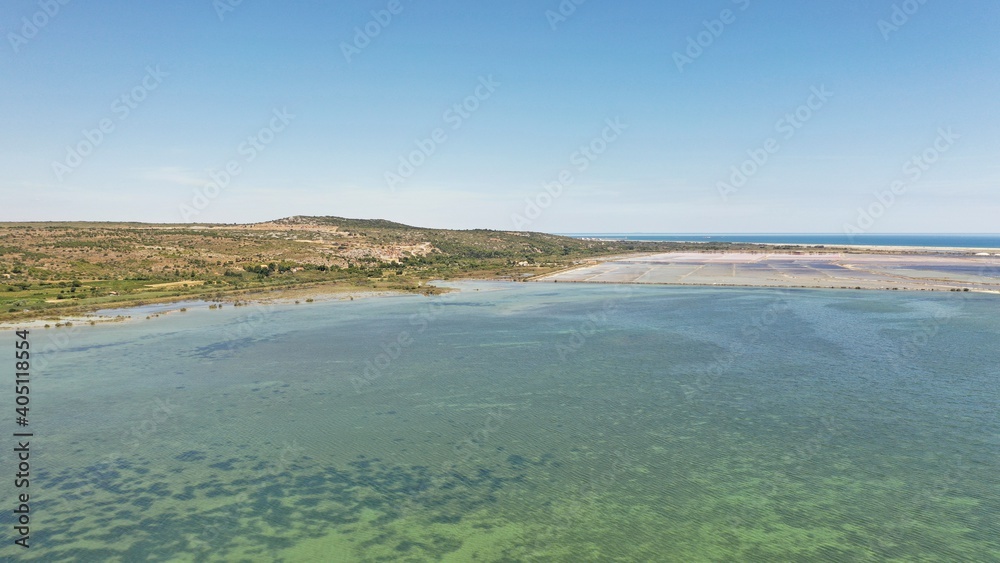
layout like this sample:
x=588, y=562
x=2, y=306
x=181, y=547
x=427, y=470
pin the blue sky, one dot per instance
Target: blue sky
x=266, y=90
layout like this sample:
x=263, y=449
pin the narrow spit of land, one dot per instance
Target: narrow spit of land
x=56, y=270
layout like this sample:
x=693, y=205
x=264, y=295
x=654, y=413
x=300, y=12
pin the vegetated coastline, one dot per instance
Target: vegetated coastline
x=57, y=269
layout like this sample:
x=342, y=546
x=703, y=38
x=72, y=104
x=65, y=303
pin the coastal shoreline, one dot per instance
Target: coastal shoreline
x=88, y=315
x=585, y=271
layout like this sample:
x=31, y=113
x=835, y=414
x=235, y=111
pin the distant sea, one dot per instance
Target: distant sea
x=931, y=240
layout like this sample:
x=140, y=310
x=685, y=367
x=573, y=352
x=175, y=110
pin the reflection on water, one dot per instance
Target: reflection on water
x=527, y=423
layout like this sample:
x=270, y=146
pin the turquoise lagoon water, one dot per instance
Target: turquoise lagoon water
x=523, y=422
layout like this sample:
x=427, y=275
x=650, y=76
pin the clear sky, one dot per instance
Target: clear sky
x=666, y=98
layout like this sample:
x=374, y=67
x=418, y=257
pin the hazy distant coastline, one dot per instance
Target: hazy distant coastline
x=927, y=242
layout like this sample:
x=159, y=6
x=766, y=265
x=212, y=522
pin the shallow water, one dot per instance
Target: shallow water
x=524, y=422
